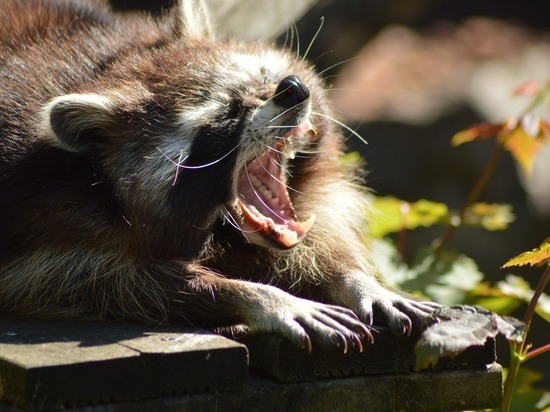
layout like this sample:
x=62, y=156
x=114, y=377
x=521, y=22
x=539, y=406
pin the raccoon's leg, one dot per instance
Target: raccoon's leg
x=375, y=303
x=265, y=308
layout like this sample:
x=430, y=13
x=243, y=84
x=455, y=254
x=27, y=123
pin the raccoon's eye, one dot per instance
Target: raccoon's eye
x=234, y=109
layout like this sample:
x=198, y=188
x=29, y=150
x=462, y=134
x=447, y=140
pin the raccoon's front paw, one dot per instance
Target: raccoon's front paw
x=401, y=314
x=377, y=305
x=307, y=323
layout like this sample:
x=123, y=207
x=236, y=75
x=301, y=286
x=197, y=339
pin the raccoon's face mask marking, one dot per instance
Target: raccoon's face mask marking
x=263, y=209
x=232, y=147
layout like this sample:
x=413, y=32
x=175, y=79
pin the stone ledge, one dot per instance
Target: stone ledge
x=56, y=364
x=278, y=358
x=80, y=366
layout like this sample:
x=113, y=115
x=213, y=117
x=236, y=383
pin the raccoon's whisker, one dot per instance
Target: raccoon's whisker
x=208, y=164
x=268, y=147
x=180, y=160
x=314, y=38
x=332, y=76
x=289, y=36
x=180, y=164
x=344, y=89
x=339, y=123
x=281, y=114
x=176, y=164
x=279, y=164
x=295, y=30
x=326, y=69
x=309, y=152
x=231, y=220
x=285, y=170
x=277, y=127
x=304, y=156
x=313, y=61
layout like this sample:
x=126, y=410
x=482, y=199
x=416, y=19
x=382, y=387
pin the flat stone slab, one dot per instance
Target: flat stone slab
x=427, y=392
x=56, y=364
x=87, y=367
x=390, y=354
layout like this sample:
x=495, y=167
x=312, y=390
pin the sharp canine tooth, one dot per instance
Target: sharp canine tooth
x=308, y=223
x=289, y=152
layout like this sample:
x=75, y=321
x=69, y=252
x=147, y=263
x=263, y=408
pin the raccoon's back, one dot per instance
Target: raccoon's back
x=54, y=47
x=50, y=48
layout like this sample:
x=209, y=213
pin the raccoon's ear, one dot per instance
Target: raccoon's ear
x=195, y=18
x=78, y=122
x=243, y=19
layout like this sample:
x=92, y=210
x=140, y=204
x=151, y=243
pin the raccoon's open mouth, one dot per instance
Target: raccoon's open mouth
x=263, y=203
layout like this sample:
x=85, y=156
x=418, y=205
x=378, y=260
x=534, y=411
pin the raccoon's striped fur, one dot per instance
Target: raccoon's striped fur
x=158, y=176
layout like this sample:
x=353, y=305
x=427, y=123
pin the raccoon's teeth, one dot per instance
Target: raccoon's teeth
x=289, y=151
x=308, y=224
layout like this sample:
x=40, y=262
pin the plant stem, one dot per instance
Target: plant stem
x=533, y=302
x=517, y=355
x=536, y=352
x=488, y=170
x=473, y=196
x=515, y=361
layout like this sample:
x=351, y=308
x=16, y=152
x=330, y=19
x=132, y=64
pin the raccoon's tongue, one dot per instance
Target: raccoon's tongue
x=265, y=204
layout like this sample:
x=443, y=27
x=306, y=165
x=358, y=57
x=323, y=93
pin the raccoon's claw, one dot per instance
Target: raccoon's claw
x=377, y=305
x=401, y=314
x=329, y=326
x=307, y=323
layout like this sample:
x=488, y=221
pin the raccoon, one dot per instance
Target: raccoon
x=150, y=172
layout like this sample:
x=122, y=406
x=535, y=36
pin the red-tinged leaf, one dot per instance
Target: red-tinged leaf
x=529, y=88
x=522, y=146
x=545, y=129
x=478, y=132
x=534, y=257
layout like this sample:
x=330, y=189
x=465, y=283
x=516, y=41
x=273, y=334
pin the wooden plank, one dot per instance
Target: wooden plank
x=53, y=364
x=278, y=358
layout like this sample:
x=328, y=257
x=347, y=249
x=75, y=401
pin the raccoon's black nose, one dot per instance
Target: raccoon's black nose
x=290, y=92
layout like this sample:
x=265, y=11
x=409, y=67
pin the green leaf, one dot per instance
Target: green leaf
x=491, y=216
x=534, y=257
x=387, y=259
x=392, y=215
x=446, y=277
x=492, y=298
x=457, y=328
x=517, y=287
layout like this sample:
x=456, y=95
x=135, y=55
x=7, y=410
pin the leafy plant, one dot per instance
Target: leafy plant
x=453, y=278
x=520, y=351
